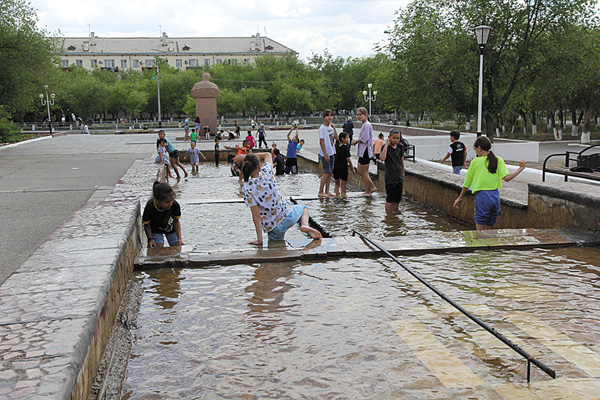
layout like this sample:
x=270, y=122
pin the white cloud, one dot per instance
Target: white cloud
x=346, y=28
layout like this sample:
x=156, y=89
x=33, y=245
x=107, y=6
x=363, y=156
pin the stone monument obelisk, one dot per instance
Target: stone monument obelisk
x=206, y=94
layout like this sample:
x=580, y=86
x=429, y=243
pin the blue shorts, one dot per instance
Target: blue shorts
x=457, y=169
x=171, y=238
x=278, y=233
x=327, y=167
x=487, y=207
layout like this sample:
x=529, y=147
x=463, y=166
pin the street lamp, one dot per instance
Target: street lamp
x=371, y=97
x=481, y=32
x=158, y=88
x=48, y=102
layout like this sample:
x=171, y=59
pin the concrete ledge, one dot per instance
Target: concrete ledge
x=349, y=246
x=60, y=305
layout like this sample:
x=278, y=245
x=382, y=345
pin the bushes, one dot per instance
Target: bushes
x=9, y=132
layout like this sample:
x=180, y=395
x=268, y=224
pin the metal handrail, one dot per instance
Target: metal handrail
x=530, y=359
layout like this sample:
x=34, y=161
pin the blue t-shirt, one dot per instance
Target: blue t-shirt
x=291, y=150
x=170, y=147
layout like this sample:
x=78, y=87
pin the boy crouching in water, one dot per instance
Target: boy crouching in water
x=161, y=217
x=393, y=157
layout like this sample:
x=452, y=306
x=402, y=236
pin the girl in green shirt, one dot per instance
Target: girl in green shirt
x=484, y=177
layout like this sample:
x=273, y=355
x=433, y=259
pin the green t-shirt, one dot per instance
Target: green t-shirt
x=194, y=136
x=479, y=178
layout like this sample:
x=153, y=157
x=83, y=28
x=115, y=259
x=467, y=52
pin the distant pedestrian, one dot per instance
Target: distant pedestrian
x=197, y=125
x=86, y=130
x=458, y=153
x=194, y=154
x=377, y=146
x=186, y=128
x=262, y=135
x=484, y=177
x=252, y=123
x=250, y=139
x=193, y=136
x=217, y=152
x=365, y=150
x=291, y=160
x=393, y=157
x=237, y=129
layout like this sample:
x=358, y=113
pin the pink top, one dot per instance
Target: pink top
x=366, y=139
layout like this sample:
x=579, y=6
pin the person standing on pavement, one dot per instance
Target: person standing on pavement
x=262, y=136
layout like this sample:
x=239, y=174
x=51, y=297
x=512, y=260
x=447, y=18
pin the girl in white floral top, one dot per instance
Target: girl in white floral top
x=270, y=211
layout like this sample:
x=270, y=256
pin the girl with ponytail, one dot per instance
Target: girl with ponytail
x=484, y=177
x=270, y=211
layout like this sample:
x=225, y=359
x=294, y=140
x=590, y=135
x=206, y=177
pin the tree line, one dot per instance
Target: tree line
x=540, y=62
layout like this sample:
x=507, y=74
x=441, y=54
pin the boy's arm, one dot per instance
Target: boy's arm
x=465, y=159
x=383, y=154
x=257, y=225
x=322, y=144
x=335, y=134
x=265, y=157
x=446, y=157
x=202, y=154
x=290, y=132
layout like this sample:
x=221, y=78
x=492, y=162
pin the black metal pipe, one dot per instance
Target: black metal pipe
x=527, y=356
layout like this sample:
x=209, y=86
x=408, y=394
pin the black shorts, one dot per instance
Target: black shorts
x=174, y=154
x=364, y=159
x=340, y=173
x=394, y=192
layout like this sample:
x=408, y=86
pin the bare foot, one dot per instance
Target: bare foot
x=365, y=194
x=329, y=194
x=322, y=195
x=313, y=233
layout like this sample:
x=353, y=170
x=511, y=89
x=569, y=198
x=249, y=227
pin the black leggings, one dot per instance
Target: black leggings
x=262, y=140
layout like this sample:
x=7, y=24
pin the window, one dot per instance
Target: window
x=123, y=64
x=207, y=62
x=136, y=63
x=79, y=63
x=178, y=63
x=93, y=63
x=149, y=63
x=246, y=61
x=218, y=61
x=109, y=63
x=193, y=63
x=232, y=61
x=64, y=63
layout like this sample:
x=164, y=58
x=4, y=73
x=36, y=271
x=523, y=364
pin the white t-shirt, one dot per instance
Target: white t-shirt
x=262, y=191
x=326, y=133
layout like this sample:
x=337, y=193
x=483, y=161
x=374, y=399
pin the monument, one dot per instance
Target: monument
x=206, y=94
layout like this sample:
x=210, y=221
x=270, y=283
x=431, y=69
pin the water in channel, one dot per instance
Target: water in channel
x=359, y=328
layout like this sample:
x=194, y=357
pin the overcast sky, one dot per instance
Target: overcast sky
x=346, y=28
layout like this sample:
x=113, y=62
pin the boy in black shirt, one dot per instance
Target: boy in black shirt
x=340, y=163
x=393, y=156
x=458, y=151
x=279, y=162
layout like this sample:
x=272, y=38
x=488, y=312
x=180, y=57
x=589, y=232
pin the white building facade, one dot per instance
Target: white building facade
x=184, y=53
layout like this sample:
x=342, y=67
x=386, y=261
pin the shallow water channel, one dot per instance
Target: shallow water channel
x=360, y=328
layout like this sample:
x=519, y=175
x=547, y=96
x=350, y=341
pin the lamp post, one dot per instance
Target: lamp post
x=48, y=102
x=481, y=33
x=372, y=96
x=158, y=88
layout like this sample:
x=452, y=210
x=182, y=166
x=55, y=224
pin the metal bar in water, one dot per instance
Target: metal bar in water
x=527, y=356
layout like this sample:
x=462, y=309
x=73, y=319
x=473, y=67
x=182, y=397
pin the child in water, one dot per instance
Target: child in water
x=163, y=156
x=484, y=176
x=194, y=157
x=270, y=211
x=161, y=217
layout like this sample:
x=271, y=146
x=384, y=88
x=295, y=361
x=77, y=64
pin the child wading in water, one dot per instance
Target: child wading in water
x=365, y=150
x=163, y=157
x=484, y=176
x=194, y=157
x=393, y=156
x=341, y=162
x=161, y=217
x=270, y=211
x=327, y=137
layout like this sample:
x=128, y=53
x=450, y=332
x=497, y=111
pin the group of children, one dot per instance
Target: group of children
x=274, y=215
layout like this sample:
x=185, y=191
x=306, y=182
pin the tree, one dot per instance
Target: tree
x=27, y=56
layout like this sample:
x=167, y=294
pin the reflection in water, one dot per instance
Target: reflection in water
x=360, y=328
x=268, y=287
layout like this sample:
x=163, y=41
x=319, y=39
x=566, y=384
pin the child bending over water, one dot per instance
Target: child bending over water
x=161, y=217
x=270, y=211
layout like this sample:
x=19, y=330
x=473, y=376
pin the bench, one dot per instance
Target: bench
x=587, y=165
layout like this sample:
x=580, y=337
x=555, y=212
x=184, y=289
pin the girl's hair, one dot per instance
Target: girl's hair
x=162, y=191
x=161, y=141
x=364, y=111
x=381, y=136
x=251, y=163
x=484, y=143
x=197, y=119
x=343, y=135
x=327, y=112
